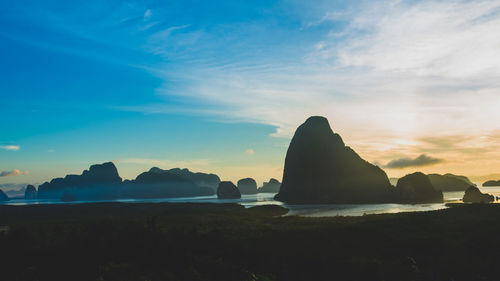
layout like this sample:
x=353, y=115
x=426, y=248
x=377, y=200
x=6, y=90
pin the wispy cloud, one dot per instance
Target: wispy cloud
x=422, y=160
x=12, y=173
x=10, y=147
x=250, y=151
x=147, y=14
x=164, y=163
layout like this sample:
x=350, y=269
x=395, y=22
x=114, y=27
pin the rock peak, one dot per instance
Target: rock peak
x=317, y=120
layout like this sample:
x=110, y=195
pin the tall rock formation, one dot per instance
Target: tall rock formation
x=319, y=168
x=30, y=192
x=3, y=196
x=247, y=186
x=227, y=190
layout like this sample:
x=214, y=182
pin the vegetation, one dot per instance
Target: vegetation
x=115, y=241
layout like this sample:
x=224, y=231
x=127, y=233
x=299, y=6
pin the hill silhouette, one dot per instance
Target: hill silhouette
x=3, y=196
x=492, y=183
x=272, y=186
x=247, y=186
x=319, y=168
x=417, y=188
x=450, y=182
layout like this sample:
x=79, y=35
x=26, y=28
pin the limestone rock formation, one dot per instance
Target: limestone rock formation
x=200, y=179
x=3, y=196
x=450, y=182
x=227, y=190
x=100, y=174
x=30, y=192
x=272, y=186
x=319, y=168
x=417, y=188
x=247, y=186
x=492, y=183
x=474, y=195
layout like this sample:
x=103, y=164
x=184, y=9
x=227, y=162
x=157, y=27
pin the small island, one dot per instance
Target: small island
x=492, y=183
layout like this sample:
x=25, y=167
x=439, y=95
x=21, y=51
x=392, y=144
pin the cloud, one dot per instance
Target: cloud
x=250, y=151
x=147, y=14
x=10, y=147
x=372, y=73
x=164, y=163
x=422, y=160
x=12, y=173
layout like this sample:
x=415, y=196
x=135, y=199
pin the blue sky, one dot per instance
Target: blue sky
x=220, y=86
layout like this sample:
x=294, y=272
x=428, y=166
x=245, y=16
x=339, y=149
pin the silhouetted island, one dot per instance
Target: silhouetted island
x=159, y=183
x=474, y=195
x=102, y=182
x=247, y=186
x=272, y=186
x=200, y=179
x=319, y=168
x=492, y=183
x=417, y=188
x=30, y=192
x=227, y=190
x=96, y=175
x=3, y=196
x=450, y=182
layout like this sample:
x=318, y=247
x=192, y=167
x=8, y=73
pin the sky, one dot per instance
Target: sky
x=221, y=86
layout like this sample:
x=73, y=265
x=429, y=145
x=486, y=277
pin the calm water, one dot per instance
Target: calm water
x=324, y=210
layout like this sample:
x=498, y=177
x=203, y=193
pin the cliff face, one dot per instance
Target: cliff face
x=319, y=168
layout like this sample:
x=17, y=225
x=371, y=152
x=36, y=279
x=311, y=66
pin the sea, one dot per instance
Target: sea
x=307, y=210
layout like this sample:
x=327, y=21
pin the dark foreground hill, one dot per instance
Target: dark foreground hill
x=116, y=241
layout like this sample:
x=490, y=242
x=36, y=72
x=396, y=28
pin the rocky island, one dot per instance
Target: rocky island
x=272, y=186
x=227, y=190
x=417, y=188
x=474, y=195
x=3, y=196
x=247, y=186
x=492, y=183
x=320, y=168
x=450, y=182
